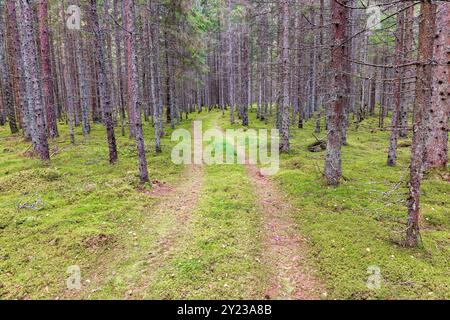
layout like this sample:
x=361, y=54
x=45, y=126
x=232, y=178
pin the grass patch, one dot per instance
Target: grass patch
x=220, y=258
x=79, y=210
x=361, y=223
x=83, y=199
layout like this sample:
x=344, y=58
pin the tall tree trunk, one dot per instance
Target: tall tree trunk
x=408, y=85
x=153, y=83
x=436, y=144
x=347, y=78
x=230, y=63
x=299, y=61
x=17, y=72
x=333, y=162
x=157, y=70
x=395, y=123
x=5, y=79
x=103, y=86
x=383, y=105
x=170, y=84
x=119, y=73
x=320, y=57
x=109, y=60
x=145, y=64
x=133, y=85
x=245, y=71
x=125, y=80
x=68, y=79
x=31, y=75
x=422, y=107
x=82, y=80
x=47, y=77
x=284, y=77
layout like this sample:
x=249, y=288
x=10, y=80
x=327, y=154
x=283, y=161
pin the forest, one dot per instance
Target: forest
x=102, y=102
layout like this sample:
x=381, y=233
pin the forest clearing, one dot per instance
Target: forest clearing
x=115, y=179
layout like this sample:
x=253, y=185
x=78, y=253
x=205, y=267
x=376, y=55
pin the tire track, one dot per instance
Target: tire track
x=158, y=239
x=284, y=253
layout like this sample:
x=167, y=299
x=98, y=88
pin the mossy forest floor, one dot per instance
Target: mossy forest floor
x=199, y=232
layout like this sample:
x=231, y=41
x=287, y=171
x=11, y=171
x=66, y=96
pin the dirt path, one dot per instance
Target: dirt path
x=284, y=248
x=179, y=205
x=158, y=239
x=284, y=251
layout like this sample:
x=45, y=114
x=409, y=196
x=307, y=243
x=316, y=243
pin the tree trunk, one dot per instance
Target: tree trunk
x=153, y=85
x=82, y=81
x=422, y=107
x=246, y=92
x=17, y=71
x=68, y=81
x=436, y=144
x=47, y=77
x=119, y=73
x=5, y=79
x=408, y=85
x=103, y=86
x=395, y=123
x=31, y=76
x=170, y=84
x=133, y=85
x=284, y=77
x=84, y=89
x=109, y=60
x=230, y=63
x=333, y=162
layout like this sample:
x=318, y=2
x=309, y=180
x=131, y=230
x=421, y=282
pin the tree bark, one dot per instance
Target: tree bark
x=436, y=144
x=46, y=69
x=333, y=162
x=284, y=77
x=245, y=72
x=409, y=72
x=5, y=79
x=109, y=60
x=133, y=86
x=230, y=63
x=84, y=89
x=169, y=83
x=17, y=72
x=153, y=84
x=422, y=107
x=119, y=73
x=103, y=86
x=31, y=76
x=68, y=81
x=396, y=114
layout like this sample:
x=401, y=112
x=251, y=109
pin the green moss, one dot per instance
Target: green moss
x=82, y=197
x=361, y=223
x=220, y=257
x=79, y=197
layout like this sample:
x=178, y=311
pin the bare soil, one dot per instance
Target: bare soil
x=284, y=250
